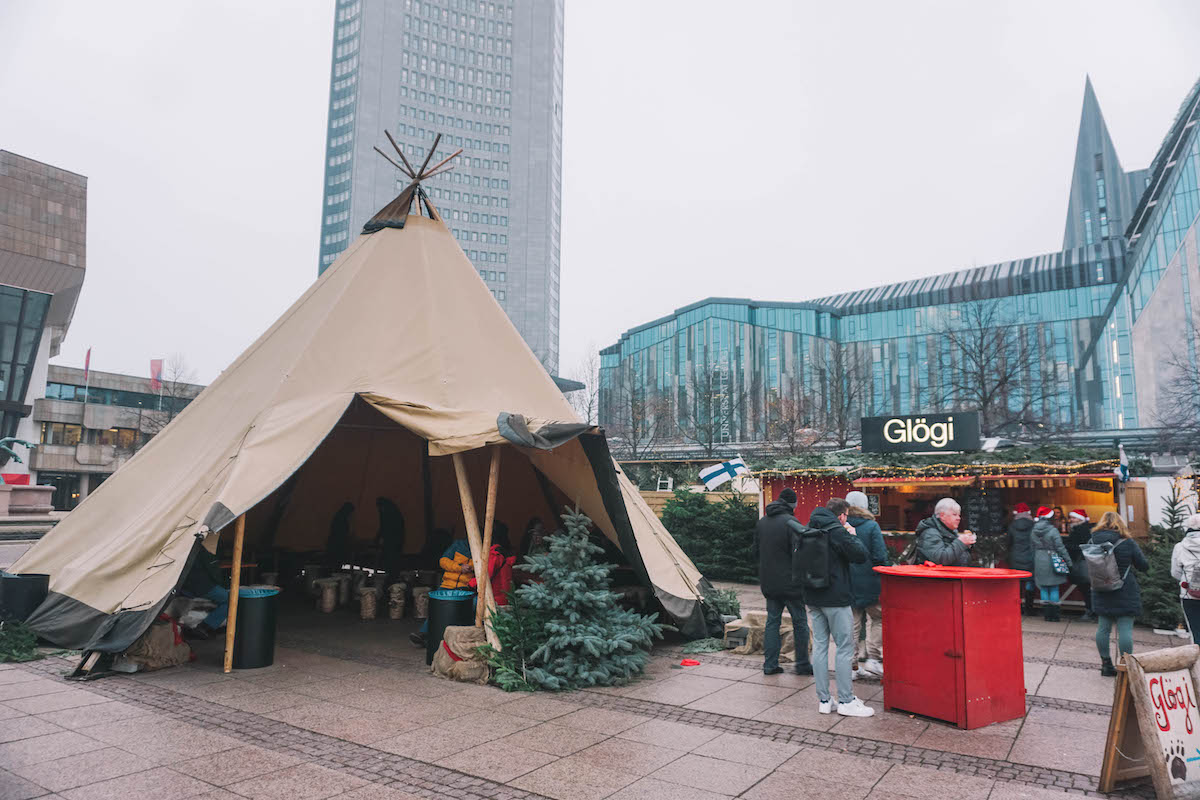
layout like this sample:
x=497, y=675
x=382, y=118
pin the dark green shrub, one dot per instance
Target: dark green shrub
x=718, y=537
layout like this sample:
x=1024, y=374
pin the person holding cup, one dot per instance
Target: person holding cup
x=938, y=540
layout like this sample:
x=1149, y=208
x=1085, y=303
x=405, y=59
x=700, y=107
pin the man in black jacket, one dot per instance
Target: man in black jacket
x=775, y=539
x=1081, y=534
x=830, y=606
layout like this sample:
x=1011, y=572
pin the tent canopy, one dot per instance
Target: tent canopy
x=398, y=349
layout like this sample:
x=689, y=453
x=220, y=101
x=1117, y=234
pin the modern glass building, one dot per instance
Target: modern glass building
x=1059, y=342
x=488, y=77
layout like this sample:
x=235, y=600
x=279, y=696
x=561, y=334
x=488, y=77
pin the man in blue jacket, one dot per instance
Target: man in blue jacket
x=775, y=540
x=829, y=605
x=865, y=586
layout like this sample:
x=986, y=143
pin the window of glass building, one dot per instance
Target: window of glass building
x=61, y=433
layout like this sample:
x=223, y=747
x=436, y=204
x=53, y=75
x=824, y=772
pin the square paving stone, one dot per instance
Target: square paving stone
x=303, y=782
x=434, y=743
x=730, y=705
x=711, y=774
x=627, y=755
x=1067, y=720
x=14, y=787
x=497, y=761
x=1034, y=673
x=849, y=768
x=787, y=787
x=90, y=767
x=556, y=740
x=786, y=679
x=748, y=750
x=8, y=712
x=45, y=748
x=885, y=726
x=496, y=722
x=535, y=706
x=679, y=690
x=1081, y=750
x=984, y=742
x=83, y=716
x=58, y=701
x=601, y=720
x=799, y=715
x=235, y=765
x=909, y=781
x=34, y=688
x=1086, y=686
x=365, y=728
x=17, y=676
x=265, y=701
x=654, y=789
x=160, y=784
x=675, y=735
x=159, y=740
x=25, y=728
x=572, y=779
x=725, y=672
x=1023, y=791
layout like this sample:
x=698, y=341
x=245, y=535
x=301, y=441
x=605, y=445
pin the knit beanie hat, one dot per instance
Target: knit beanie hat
x=789, y=496
x=858, y=500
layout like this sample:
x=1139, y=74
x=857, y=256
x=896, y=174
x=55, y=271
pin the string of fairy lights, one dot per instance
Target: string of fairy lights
x=931, y=471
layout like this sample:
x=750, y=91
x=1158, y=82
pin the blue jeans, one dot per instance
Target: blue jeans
x=836, y=621
x=771, y=637
x=1049, y=594
x=1124, y=635
x=216, y=617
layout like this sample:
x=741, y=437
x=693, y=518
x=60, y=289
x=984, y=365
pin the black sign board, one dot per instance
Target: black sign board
x=922, y=433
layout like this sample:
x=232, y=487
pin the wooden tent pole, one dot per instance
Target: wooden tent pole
x=473, y=539
x=235, y=583
x=487, y=600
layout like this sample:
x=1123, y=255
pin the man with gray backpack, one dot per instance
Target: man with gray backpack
x=1111, y=557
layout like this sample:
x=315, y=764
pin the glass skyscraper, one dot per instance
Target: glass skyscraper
x=488, y=77
x=1070, y=340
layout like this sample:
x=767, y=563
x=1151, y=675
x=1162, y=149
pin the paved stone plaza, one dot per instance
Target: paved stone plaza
x=349, y=710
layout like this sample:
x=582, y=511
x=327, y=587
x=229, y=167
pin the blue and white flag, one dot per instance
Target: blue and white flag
x=717, y=474
x=1122, y=469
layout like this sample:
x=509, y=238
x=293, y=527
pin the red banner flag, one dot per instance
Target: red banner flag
x=87, y=366
x=156, y=373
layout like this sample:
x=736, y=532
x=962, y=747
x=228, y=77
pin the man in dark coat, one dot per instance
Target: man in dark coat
x=1081, y=534
x=775, y=540
x=937, y=539
x=1020, y=552
x=830, y=609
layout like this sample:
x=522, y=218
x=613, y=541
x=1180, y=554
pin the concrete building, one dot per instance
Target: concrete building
x=488, y=77
x=1072, y=340
x=43, y=228
x=89, y=426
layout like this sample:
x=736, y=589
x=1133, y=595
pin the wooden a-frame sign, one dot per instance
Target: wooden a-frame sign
x=1155, y=724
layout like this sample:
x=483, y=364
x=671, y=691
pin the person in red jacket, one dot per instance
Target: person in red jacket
x=500, y=565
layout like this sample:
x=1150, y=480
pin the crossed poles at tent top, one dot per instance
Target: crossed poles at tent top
x=418, y=175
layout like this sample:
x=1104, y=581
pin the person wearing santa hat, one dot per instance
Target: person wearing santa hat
x=1046, y=541
x=1020, y=552
x=1081, y=533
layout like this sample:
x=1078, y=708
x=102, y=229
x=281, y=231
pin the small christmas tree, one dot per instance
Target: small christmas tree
x=1175, y=511
x=1160, y=590
x=589, y=639
x=521, y=631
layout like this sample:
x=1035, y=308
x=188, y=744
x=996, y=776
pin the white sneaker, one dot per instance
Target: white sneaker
x=855, y=708
x=827, y=707
x=855, y=673
x=872, y=667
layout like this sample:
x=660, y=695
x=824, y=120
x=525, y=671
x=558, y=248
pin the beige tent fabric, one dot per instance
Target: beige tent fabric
x=401, y=320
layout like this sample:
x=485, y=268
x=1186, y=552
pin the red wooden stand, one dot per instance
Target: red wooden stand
x=952, y=643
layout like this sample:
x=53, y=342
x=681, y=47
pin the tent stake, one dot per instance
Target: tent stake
x=472, y=521
x=235, y=584
x=489, y=518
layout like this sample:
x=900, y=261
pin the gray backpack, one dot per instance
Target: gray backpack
x=1102, y=568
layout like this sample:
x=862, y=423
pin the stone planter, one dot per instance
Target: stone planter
x=31, y=500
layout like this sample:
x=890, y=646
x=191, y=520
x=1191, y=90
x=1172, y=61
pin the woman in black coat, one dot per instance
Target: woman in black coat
x=1122, y=605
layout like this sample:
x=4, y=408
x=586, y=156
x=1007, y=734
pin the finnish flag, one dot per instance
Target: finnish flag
x=717, y=474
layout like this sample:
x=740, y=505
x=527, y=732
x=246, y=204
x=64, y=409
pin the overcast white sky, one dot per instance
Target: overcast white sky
x=769, y=150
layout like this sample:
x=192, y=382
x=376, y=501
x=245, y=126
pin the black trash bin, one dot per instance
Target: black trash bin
x=447, y=607
x=254, y=640
x=21, y=594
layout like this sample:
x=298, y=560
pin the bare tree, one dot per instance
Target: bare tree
x=638, y=420
x=1178, y=404
x=586, y=401
x=842, y=372
x=789, y=422
x=712, y=408
x=177, y=390
x=989, y=365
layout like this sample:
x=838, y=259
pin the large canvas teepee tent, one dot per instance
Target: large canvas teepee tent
x=396, y=358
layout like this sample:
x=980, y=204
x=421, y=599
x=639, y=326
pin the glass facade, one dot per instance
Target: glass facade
x=22, y=316
x=1062, y=327
x=115, y=397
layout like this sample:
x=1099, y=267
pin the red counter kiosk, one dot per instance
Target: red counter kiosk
x=952, y=643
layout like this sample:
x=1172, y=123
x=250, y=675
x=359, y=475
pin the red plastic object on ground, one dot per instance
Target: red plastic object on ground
x=689, y=662
x=952, y=643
